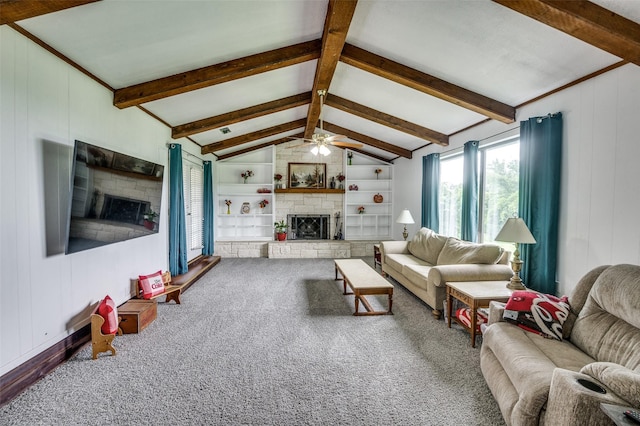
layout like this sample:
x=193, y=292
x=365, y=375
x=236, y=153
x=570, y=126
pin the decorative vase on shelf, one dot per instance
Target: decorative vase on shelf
x=228, y=210
x=244, y=180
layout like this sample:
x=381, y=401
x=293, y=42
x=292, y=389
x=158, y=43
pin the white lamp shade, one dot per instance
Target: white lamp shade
x=405, y=217
x=314, y=150
x=324, y=150
x=515, y=231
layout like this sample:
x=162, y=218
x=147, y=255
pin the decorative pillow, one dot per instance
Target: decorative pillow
x=107, y=310
x=456, y=251
x=426, y=245
x=538, y=313
x=151, y=285
x=464, y=315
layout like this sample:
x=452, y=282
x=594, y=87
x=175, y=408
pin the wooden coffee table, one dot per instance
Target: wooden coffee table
x=475, y=294
x=363, y=280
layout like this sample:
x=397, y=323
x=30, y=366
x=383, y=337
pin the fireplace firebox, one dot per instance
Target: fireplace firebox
x=125, y=210
x=308, y=227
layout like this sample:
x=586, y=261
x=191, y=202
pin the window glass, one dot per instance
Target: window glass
x=501, y=190
x=498, y=192
x=450, y=204
x=193, y=183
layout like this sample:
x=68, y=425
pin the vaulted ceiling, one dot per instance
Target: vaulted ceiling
x=400, y=75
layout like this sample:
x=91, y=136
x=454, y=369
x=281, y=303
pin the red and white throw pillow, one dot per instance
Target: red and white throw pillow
x=464, y=316
x=107, y=310
x=538, y=313
x=151, y=285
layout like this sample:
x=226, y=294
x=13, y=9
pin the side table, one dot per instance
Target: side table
x=475, y=294
x=377, y=259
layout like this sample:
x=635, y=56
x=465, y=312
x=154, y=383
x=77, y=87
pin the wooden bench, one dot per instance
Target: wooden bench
x=363, y=281
x=101, y=342
x=171, y=291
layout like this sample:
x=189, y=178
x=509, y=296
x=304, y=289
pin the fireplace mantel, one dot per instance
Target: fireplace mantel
x=309, y=191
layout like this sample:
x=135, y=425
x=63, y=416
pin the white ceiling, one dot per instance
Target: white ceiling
x=479, y=45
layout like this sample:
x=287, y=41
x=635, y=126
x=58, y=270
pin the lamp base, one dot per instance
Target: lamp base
x=516, y=266
x=516, y=285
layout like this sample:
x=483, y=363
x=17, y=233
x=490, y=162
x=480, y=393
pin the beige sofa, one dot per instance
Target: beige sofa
x=535, y=380
x=424, y=264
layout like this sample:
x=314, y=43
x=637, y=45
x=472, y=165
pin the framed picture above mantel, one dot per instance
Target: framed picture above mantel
x=307, y=175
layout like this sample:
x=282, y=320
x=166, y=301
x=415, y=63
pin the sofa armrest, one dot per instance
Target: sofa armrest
x=496, y=309
x=572, y=403
x=622, y=381
x=441, y=274
x=394, y=247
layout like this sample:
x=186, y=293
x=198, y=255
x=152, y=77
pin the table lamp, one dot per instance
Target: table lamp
x=516, y=231
x=405, y=218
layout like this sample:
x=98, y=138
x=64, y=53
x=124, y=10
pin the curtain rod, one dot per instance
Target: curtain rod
x=480, y=140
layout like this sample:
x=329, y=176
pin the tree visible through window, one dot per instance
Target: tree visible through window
x=498, y=192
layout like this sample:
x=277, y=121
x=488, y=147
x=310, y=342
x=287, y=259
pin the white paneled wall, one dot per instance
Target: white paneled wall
x=44, y=106
x=600, y=178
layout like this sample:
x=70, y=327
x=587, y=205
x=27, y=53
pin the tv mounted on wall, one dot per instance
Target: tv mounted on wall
x=114, y=197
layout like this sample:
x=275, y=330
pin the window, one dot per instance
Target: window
x=499, y=192
x=497, y=195
x=193, y=182
x=450, y=203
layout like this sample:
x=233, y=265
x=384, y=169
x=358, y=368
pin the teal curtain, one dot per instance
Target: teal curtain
x=177, y=224
x=207, y=198
x=540, y=172
x=469, y=223
x=430, y=191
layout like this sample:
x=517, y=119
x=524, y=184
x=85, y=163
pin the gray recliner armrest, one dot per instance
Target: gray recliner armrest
x=496, y=309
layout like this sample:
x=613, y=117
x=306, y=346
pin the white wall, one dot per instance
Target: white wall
x=45, y=295
x=600, y=171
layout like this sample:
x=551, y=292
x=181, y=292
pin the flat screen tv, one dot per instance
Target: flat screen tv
x=114, y=197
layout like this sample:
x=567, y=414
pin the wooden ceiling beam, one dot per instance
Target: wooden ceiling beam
x=394, y=149
x=370, y=154
x=215, y=74
x=255, y=148
x=334, y=35
x=586, y=21
x=250, y=137
x=426, y=83
x=387, y=120
x=16, y=10
x=237, y=116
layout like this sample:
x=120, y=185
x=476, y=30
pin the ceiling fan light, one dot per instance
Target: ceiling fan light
x=324, y=150
x=314, y=150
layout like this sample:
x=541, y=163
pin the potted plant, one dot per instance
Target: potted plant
x=149, y=219
x=281, y=230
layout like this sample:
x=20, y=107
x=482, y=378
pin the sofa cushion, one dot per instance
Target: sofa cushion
x=608, y=326
x=426, y=245
x=417, y=274
x=397, y=261
x=458, y=251
x=529, y=361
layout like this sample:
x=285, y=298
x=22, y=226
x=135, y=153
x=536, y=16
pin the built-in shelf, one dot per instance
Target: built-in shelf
x=376, y=223
x=309, y=191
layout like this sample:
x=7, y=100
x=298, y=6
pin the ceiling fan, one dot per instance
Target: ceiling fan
x=321, y=140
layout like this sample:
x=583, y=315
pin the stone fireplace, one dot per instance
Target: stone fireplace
x=308, y=227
